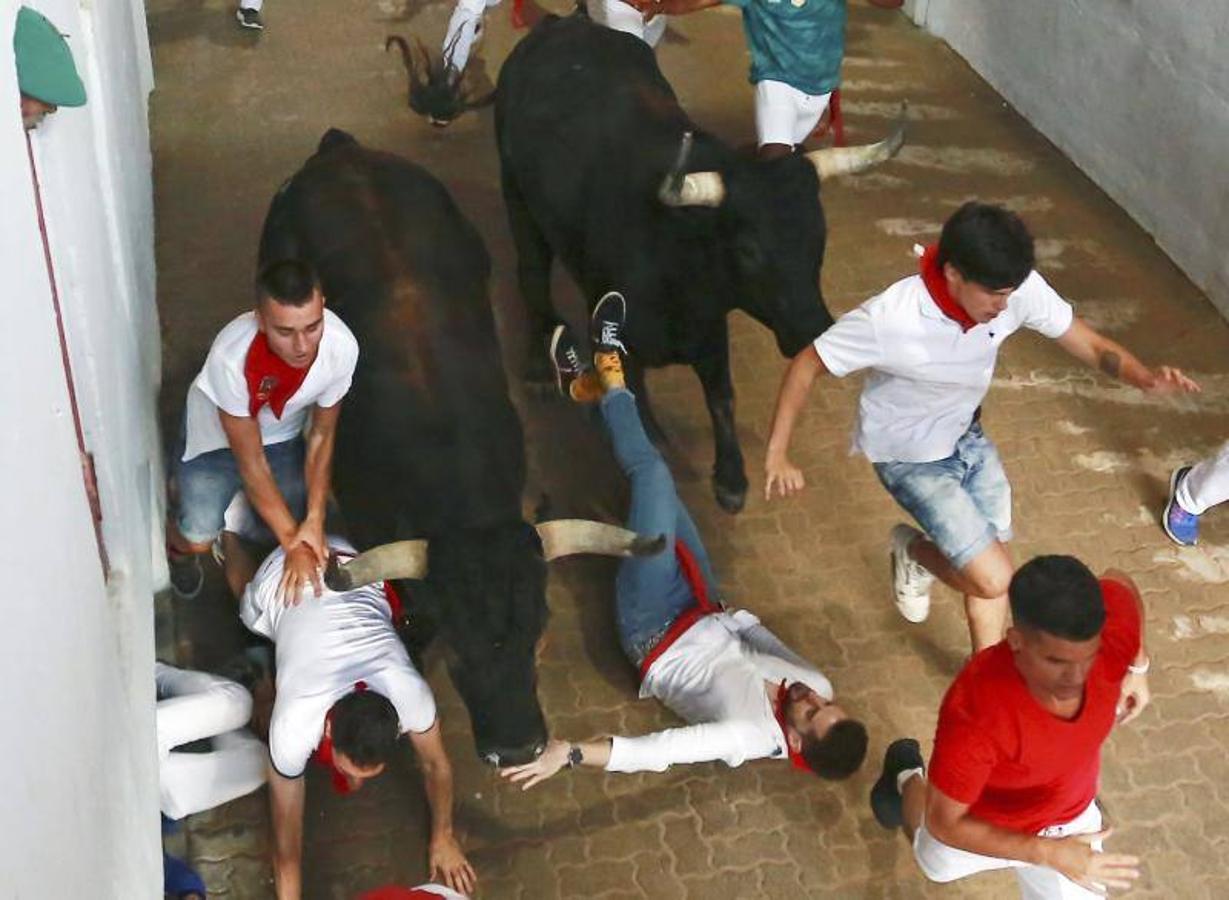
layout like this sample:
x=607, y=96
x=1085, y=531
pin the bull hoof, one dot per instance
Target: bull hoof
x=732, y=500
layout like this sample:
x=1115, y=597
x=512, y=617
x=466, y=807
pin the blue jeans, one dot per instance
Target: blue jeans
x=208, y=482
x=963, y=502
x=650, y=592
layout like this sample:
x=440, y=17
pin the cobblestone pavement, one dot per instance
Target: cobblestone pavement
x=234, y=114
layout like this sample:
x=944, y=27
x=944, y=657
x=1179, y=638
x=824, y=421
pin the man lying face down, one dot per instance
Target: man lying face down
x=347, y=694
x=745, y=694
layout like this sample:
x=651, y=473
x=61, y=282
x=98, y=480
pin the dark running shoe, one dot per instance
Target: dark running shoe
x=187, y=576
x=606, y=325
x=565, y=357
x=1181, y=526
x=249, y=18
x=886, y=802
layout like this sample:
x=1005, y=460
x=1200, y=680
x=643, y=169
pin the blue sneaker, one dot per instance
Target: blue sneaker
x=1181, y=526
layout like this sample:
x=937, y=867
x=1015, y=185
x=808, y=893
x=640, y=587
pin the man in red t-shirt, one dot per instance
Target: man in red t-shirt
x=1016, y=766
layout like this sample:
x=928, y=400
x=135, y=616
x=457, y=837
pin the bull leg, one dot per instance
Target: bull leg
x=637, y=385
x=729, y=473
x=533, y=265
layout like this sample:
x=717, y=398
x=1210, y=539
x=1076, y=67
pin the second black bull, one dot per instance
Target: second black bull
x=596, y=171
x=429, y=466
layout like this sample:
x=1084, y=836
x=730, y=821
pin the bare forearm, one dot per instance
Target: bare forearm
x=267, y=499
x=975, y=836
x=796, y=385
x=437, y=779
x=318, y=471
x=595, y=754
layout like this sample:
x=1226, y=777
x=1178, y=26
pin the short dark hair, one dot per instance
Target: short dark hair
x=839, y=753
x=1058, y=595
x=988, y=245
x=288, y=281
x=365, y=728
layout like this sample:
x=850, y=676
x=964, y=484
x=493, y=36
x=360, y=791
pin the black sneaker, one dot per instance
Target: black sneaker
x=606, y=324
x=249, y=18
x=565, y=357
x=187, y=576
x=886, y=802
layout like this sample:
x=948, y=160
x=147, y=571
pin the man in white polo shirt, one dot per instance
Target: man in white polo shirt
x=930, y=342
x=346, y=695
x=271, y=373
x=744, y=693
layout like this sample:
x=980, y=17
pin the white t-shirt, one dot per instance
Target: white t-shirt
x=713, y=677
x=325, y=645
x=927, y=376
x=221, y=385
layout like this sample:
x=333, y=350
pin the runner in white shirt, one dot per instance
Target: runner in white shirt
x=271, y=373
x=744, y=693
x=346, y=695
x=930, y=342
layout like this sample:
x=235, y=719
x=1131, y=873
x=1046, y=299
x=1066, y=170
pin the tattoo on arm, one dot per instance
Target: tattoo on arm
x=1110, y=363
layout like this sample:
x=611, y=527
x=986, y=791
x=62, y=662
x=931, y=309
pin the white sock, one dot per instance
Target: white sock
x=902, y=778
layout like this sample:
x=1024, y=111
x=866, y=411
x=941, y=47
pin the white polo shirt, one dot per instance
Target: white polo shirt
x=713, y=677
x=325, y=645
x=221, y=384
x=927, y=376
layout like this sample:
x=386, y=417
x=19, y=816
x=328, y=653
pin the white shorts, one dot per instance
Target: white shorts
x=942, y=863
x=626, y=18
x=784, y=114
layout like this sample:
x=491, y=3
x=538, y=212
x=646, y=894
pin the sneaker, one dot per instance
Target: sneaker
x=886, y=801
x=606, y=324
x=1181, y=526
x=910, y=580
x=249, y=18
x=187, y=576
x=566, y=359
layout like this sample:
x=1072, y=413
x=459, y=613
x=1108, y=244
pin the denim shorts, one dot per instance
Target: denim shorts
x=963, y=503
x=208, y=482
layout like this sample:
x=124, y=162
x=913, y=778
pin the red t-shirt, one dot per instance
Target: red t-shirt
x=1017, y=765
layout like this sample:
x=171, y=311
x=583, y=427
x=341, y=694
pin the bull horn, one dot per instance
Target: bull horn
x=692, y=188
x=407, y=56
x=849, y=160
x=568, y=537
x=403, y=559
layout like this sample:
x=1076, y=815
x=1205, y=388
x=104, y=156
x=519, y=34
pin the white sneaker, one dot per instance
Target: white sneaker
x=910, y=580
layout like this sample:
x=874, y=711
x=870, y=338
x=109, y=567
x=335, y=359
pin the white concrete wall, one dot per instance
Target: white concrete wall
x=1136, y=92
x=80, y=813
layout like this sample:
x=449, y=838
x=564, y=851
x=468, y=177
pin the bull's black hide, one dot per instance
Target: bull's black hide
x=429, y=444
x=587, y=128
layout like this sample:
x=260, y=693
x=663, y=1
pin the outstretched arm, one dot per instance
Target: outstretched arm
x=286, y=799
x=445, y=857
x=1099, y=352
x=780, y=473
x=652, y=8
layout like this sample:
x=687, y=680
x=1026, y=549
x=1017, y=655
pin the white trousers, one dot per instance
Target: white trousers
x=1206, y=484
x=464, y=28
x=199, y=705
x=626, y=18
x=784, y=114
x=942, y=863
x=251, y=4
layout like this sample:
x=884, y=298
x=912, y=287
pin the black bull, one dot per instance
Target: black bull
x=428, y=444
x=588, y=129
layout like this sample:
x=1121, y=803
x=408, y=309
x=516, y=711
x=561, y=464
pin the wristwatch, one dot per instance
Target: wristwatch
x=575, y=756
x=1142, y=668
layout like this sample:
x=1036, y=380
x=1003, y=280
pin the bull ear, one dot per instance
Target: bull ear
x=403, y=559
x=568, y=537
x=849, y=160
x=681, y=188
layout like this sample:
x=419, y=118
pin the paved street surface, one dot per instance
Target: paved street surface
x=235, y=114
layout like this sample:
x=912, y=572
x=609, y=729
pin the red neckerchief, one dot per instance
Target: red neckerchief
x=703, y=606
x=324, y=752
x=778, y=710
x=397, y=892
x=936, y=285
x=270, y=378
